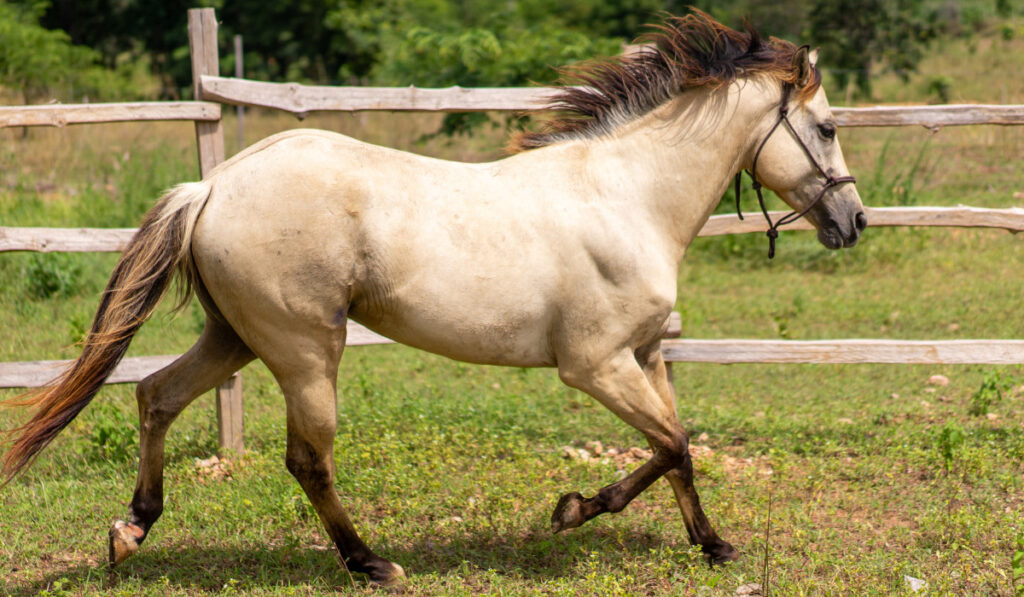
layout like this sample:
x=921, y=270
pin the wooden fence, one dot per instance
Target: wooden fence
x=211, y=91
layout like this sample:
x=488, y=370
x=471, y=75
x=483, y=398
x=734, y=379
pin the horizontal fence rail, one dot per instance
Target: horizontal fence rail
x=906, y=352
x=724, y=352
x=64, y=114
x=71, y=240
x=29, y=374
x=303, y=99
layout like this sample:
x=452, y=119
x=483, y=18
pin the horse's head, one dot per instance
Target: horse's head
x=800, y=159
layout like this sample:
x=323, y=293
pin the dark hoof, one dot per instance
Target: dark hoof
x=720, y=552
x=568, y=513
x=388, y=576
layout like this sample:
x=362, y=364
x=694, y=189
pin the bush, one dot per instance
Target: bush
x=52, y=274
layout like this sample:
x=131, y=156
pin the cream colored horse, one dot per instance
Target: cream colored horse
x=562, y=256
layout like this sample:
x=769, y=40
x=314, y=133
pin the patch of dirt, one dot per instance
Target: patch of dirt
x=213, y=469
x=594, y=452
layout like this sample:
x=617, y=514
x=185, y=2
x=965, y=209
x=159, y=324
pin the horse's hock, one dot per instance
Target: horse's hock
x=211, y=91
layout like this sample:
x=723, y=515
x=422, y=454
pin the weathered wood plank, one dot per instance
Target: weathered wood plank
x=987, y=352
x=115, y=239
x=202, y=41
x=64, y=114
x=937, y=352
x=68, y=240
x=930, y=116
x=230, y=419
x=302, y=99
x=1011, y=219
x=31, y=374
x=132, y=370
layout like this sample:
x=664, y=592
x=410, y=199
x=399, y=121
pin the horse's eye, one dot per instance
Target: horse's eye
x=827, y=130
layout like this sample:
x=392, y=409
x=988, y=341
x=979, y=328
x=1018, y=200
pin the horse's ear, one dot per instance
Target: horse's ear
x=803, y=65
x=813, y=57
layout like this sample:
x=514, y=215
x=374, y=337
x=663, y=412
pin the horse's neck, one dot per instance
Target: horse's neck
x=679, y=159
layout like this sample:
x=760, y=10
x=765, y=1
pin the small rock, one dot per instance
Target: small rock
x=1018, y=195
x=703, y=438
x=595, y=447
x=916, y=584
x=894, y=396
x=929, y=390
x=926, y=404
x=991, y=416
x=953, y=327
x=845, y=420
x=751, y=590
x=640, y=453
x=938, y=380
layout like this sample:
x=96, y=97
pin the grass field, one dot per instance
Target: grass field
x=873, y=473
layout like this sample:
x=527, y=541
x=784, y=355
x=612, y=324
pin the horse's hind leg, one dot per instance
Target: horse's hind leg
x=162, y=396
x=681, y=477
x=307, y=376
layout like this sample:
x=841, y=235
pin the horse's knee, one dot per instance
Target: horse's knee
x=306, y=464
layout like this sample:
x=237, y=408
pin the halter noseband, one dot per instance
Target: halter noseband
x=830, y=181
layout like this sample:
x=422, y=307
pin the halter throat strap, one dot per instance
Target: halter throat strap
x=830, y=181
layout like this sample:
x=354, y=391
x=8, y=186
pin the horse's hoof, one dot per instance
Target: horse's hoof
x=568, y=513
x=390, y=578
x=124, y=541
x=720, y=552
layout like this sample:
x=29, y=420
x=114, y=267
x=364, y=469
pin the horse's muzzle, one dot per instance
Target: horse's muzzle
x=835, y=234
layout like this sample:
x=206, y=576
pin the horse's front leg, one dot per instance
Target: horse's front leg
x=698, y=527
x=619, y=383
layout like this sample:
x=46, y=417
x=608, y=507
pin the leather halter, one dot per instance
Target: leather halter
x=830, y=181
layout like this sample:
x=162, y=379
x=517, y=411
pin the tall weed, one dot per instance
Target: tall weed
x=52, y=275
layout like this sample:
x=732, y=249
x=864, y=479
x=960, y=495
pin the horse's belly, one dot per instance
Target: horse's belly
x=511, y=341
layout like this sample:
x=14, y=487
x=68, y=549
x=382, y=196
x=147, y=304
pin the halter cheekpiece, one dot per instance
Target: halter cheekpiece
x=830, y=181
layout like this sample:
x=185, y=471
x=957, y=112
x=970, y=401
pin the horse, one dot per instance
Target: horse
x=563, y=254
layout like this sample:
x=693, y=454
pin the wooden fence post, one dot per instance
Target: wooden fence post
x=202, y=42
x=229, y=415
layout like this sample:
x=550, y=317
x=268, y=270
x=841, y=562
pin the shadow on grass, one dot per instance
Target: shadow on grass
x=199, y=568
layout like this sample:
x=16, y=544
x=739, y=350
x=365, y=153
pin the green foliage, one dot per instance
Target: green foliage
x=861, y=36
x=950, y=442
x=50, y=275
x=941, y=87
x=114, y=436
x=40, y=62
x=989, y=393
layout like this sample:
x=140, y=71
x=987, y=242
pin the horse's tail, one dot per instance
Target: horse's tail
x=160, y=247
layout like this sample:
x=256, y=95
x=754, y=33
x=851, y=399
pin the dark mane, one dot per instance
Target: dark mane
x=681, y=53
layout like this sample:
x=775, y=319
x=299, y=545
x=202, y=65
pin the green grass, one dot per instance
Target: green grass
x=452, y=470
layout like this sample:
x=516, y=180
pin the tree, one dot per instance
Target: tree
x=859, y=35
x=39, y=62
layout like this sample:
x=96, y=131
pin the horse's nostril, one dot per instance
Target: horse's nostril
x=861, y=221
